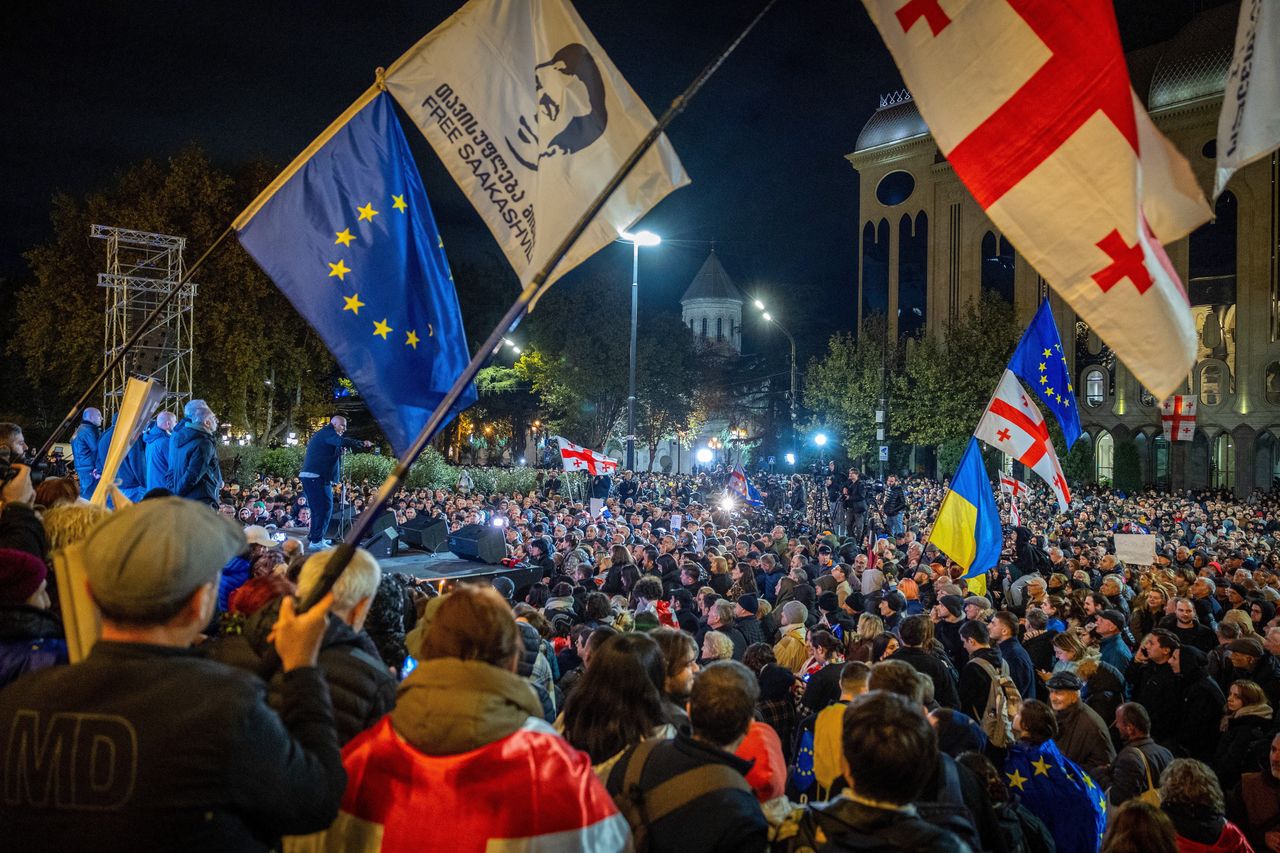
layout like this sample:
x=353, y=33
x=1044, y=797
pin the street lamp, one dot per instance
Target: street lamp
x=820, y=439
x=638, y=239
x=791, y=459
x=769, y=318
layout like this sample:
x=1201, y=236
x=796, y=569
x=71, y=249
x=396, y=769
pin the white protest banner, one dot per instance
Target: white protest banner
x=597, y=507
x=1136, y=549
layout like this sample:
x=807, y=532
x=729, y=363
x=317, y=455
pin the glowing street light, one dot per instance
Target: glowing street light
x=759, y=305
x=791, y=459
x=703, y=455
x=638, y=239
x=820, y=439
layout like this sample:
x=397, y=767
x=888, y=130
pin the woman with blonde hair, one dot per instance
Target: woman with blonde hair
x=870, y=626
x=70, y=523
x=1192, y=798
x=1241, y=620
x=1246, y=729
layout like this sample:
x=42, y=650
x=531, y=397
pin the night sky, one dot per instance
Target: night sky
x=92, y=88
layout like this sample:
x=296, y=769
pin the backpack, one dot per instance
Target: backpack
x=643, y=809
x=1002, y=703
x=949, y=811
x=1022, y=831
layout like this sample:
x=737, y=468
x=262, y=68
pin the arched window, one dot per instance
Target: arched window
x=704, y=328
x=997, y=266
x=1272, y=390
x=1160, y=450
x=913, y=281
x=1224, y=462
x=1211, y=283
x=719, y=328
x=1095, y=388
x=1104, y=454
x=1212, y=384
x=875, y=269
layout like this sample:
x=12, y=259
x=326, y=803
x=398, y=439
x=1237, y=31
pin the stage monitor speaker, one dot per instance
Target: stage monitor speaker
x=339, y=523
x=383, y=536
x=425, y=532
x=479, y=542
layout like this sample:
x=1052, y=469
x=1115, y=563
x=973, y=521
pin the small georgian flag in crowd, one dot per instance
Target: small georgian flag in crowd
x=576, y=458
x=1178, y=417
x=1013, y=424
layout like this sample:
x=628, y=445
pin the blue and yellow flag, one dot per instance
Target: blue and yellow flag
x=1041, y=363
x=1055, y=789
x=967, y=528
x=347, y=234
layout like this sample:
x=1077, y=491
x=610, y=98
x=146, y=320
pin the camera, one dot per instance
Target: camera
x=7, y=470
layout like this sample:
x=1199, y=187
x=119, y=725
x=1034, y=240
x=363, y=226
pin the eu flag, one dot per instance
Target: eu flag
x=348, y=236
x=1056, y=790
x=1041, y=363
x=967, y=528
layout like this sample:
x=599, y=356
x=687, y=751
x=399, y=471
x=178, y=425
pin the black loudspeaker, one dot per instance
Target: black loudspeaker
x=424, y=532
x=339, y=522
x=383, y=536
x=479, y=542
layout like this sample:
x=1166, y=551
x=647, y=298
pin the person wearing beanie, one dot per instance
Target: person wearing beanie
x=891, y=607
x=31, y=636
x=948, y=616
x=746, y=617
x=1109, y=628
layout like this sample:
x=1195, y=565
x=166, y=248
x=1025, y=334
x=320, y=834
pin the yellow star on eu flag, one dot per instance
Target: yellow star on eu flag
x=1088, y=780
x=340, y=269
x=1043, y=367
x=353, y=303
x=381, y=329
x=1048, y=353
x=344, y=237
x=1044, y=380
x=1041, y=766
x=1048, y=392
x=1016, y=780
x=397, y=201
x=367, y=212
x=411, y=339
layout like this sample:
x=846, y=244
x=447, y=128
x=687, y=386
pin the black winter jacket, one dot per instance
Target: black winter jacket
x=178, y=753
x=944, y=678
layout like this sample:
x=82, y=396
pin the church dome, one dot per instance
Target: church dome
x=712, y=282
x=896, y=120
x=1194, y=63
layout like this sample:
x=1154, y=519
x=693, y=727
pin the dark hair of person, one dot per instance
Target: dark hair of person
x=1004, y=617
x=826, y=641
x=56, y=490
x=916, y=630
x=898, y=677
x=677, y=648
x=472, y=623
x=986, y=773
x=1140, y=826
x=975, y=630
x=757, y=656
x=648, y=587
x=891, y=748
x=1135, y=715
x=621, y=556
x=1038, y=721
x=723, y=702
x=1036, y=619
x=596, y=606
x=629, y=576
x=538, y=595
x=853, y=673
x=880, y=643
x=1166, y=639
x=599, y=636
x=618, y=700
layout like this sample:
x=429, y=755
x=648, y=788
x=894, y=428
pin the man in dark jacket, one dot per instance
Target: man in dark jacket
x=193, y=456
x=360, y=684
x=720, y=618
x=975, y=682
x=1248, y=658
x=854, y=495
x=914, y=632
x=717, y=815
x=1138, y=765
x=1082, y=734
x=890, y=753
x=1153, y=684
x=1199, y=708
x=1004, y=634
x=84, y=451
x=745, y=612
x=894, y=506
x=321, y=468
x=177, y=752
x=156, y=441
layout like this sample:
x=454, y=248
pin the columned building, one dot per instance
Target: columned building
x=927, y=249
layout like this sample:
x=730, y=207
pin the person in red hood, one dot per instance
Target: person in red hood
x=465, y=761
x=1192, y=798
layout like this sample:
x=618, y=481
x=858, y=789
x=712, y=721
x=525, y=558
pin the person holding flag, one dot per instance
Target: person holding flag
x=967, y=528
x=740, y=487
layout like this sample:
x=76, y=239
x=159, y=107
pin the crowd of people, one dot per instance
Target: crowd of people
x=687, y=672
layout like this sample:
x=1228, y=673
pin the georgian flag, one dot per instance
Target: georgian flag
x=575, y=458
x=1013, y=424
x=1178, y=417
x=1031, y=103
x=1012, y=486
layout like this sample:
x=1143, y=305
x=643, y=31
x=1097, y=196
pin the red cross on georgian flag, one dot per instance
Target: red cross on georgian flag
x=577, y=458
x=1013, y=424
x=1031, y=103
x=1178, y=415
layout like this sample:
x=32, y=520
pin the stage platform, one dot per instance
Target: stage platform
x=446, y=569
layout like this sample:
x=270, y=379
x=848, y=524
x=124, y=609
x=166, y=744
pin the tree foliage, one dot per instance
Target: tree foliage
x=946, y=381
x=846, y=385
x=1127, y=476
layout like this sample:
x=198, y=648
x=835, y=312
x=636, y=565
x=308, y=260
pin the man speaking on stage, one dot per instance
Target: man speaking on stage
x=320, y=470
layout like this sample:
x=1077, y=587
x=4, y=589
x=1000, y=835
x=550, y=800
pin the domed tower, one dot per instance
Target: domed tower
x=712, y=307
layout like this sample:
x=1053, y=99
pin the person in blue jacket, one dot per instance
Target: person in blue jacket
x=320, y=469
x=84, y=451
x=193, y=456
x=132, y=473
x=156, y=439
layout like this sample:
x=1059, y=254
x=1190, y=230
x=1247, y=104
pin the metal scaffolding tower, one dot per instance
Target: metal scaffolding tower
x=141, y=268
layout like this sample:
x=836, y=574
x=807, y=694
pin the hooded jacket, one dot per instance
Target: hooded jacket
x=156, y=444
x=463, y=761
x=84, y=453
x=1196, y=735
x=193, y=461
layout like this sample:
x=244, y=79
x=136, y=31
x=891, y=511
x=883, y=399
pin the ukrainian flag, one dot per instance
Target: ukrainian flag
x=967, y=528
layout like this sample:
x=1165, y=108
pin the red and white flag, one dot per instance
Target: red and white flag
x=1013, y=486
x=1013, y=424
x=577, y=458
x=1178, y=415
x=1031, y=103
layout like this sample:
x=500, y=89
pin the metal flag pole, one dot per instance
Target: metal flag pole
x=343, y=553
x=142, y=329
